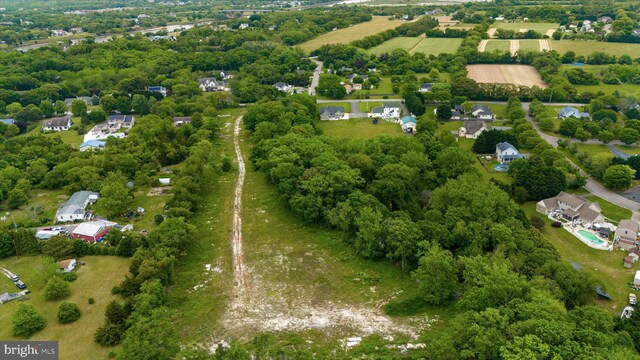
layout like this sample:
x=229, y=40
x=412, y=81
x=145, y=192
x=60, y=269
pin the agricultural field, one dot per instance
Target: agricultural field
x=519, y=26
x=404, y=43
x=587, y=47
x=95, y=279
x=355, y=32
x=529, y=45
x=607, y=89
x=506, y=74
x=358, y=128
x=497, y=45
x=428, y=46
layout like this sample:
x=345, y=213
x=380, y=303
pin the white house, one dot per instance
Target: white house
x=425, y=87
x=74, y=208
x=67, y=265
x=212, y=84
x=569, y=111
x=116, y=122
x=243, y=26
x=225, y=75
x=482, y=112
x=333, y=113
x=636, y=278
x=387, y=112
x=408, y=124
x=627, y=234
x=472, y=129
x=57, y=124
x=284, y=87
x=506, y=153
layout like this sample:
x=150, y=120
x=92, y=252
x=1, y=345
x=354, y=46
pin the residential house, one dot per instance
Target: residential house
x=7, y=121
x=425, y=87
x=57, y=124
x=92, y=231
x=102, y=132
x=408, y=124
x=482, y=112
x=357, y=86
x=569, y=111
x=87, y=100
x=181, y=120
x=506, y=153
x=284, y=87
x=627, y=234
x=436, y=11
x=92, y=145
x=212, y=84
x=499, y=18
x=586, y=26
x=333, y=113
x=225, y=75
x=456, y=115
x=388, y=111
x=67, y=265
x=272, y=28
x=58, y=33
x=572, y=208
x=116, y=122
x=353, y=76
x=161, y=89
x=75, y=207
x=76, y=30
x=472, y=129
x=243, y=26
x=605, y=19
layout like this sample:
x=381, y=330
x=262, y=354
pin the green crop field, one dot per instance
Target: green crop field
x=405, y=43
x=517, y=26
x=587, y=47
x=501, y=45
x=436, y=46
x=355, y=32
x=95, y=279
x=529, y=45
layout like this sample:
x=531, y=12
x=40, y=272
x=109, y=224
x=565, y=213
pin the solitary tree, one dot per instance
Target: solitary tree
x=618, y=176
x=68, y=312
x=78, y=107
x=56, y=289
x=26, y=320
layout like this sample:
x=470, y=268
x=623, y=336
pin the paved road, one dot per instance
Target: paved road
x=618, y=153
x=316, y=76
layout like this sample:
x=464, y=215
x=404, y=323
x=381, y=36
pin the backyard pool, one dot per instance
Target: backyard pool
x=502, y=167
x=591, y=237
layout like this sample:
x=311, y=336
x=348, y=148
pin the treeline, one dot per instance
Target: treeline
x=411, y=29
x=420, y=202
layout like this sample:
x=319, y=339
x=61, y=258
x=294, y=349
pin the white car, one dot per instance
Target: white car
x=632, y=299
x=626, y=312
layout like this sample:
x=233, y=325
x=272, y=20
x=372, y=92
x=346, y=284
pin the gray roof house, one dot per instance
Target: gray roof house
x=627, y=234
x=333, y=113
x=57, y=124
x=572, y=208
x=425, y=87
x=482, y=112
x=569, y=111
x=119, y=121
x=471, y=129
x=284, y=87
x=506, y=153
x=74, y=208
x=352, y=76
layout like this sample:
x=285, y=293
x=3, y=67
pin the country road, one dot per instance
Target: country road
x=316, y=77
x=236, y=233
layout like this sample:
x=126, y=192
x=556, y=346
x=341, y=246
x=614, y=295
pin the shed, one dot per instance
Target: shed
x=91, y=231
x=629, y=261
x=67, y=265
x=164, y=181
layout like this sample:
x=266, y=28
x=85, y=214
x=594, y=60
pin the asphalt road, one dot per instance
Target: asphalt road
x=316, y=77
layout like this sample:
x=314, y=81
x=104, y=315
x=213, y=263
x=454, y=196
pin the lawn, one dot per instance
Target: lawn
x=437, y=46
x=604, y=266
x=365, y=107
x=450, y=125
x=632, y=90
x=597, y=70
x=609, y=210
x=47, y=200
x=405, y=43
x=501, y=45
x=356, y=32
x=500, y=111
x=95, y=279
x=585, y=47
x=70, y=137
x=358, y=128
x=485, y=168
x=345, y=105
x=517, y=26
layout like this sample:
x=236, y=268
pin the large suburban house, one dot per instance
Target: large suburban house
x=333, y=113
x=506, y=153
x=572, y=208
x=569, y=111
x=116, y=122
x=284, y=87
x=92, y=145
x=482, y=112
x=57, y=124
x=472, y=129
x=92, y=231
x=161, y=89
x=75, y=207
x=408, y=124
x=627, y=234
x=212, y=84
x=225, y=75
x=425, y=87
x=388, y=111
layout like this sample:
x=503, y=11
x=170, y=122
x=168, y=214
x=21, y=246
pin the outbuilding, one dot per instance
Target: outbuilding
x=91, y=231
x=67, y=265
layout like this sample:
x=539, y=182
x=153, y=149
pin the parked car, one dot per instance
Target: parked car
x=14, y=278
x=632, y=299
x=21, y=285
x=626, y=312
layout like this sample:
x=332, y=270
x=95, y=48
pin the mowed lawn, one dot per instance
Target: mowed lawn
x=45, y=200
x=404, y=43
x=610, y=210
x=358, y=128
x=529, y=45
x=605, y=266
x=584, y=47
x=437, y=46
x=498, y=45
x=608, y=89
x=95, y=279
x=356, y=32
x=517, y=26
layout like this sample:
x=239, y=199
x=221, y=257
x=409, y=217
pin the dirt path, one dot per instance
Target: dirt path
x=236, y=233
x=491, y=32
x=514, y=46
x=6, y=272
x=544, y=45
x=550, y=32
x=482, y=45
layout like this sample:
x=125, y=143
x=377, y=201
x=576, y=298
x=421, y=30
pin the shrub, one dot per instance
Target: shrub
x=27, y=321
x=116, y=290
x=69, y=277
x=56, y=289
x=537, y=222
x=91, y=301
x=158, y=219
x=226, y=164
x=68, y=312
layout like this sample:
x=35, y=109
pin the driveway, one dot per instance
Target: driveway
x=316, y=77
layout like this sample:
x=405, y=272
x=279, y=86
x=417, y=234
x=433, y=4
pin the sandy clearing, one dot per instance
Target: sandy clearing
x=514, y=45
x=544, y=45
x=236, y=233
x=482, y=45
x=523, y=30
x=506, y=74
x=491, y=32
x=550, y=32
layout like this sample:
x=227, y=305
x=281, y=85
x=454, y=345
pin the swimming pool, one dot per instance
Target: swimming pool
x=502, y=167
x=591, y=237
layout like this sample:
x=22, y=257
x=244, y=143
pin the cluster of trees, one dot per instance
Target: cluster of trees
x=512, y=34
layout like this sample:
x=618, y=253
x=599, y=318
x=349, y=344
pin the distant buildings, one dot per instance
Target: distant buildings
x=425, y=87
x=160, y=89
x=482, y=112
x=284, y=87
x=408, y=124
x=333, y=113
x=569, y=111
x=213, y=84
x=181, y=120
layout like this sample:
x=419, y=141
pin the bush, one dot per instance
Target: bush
x=69, y=277
x=226, y=164
x=68, y=312
x=158, y=219
x=91, y=301
x=116, y=290
x=56, y=289
x=27, y=321
x=537, y=222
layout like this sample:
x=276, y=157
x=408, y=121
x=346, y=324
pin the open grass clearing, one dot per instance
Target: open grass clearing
x=95, y=279
x=499, y=110
x=529, y=45
x=542, y=28
x=356, y=32
x=587, y=47
x=506, y=74
x=404, y=43
x=437, y=46
x=604, y=266
x=42, y=204
x=632, y=90
x=629, y=149
x=358, y=128
x=497, y=45
x=609, y=210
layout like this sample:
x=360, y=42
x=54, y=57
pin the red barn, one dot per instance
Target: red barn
x=91, y=231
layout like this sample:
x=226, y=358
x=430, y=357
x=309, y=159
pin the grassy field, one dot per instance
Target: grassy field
x=587, y=47
x=529, y=45
x=501, y=45
x=609, y=210
x=95, y=279
x=405, y=43
x=48, y=200
x=604, y=266
x=437, y=46
x=624, y=89
x=517, y=26
x=355, y=32
x=366, y=106
x=345, y=105
x=500, y=111
x=358, y=128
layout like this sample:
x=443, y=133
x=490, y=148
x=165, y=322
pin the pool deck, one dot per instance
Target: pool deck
x=574, y=231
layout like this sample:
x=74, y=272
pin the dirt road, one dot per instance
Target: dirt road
x=482, y=45
x=544, y=45
x=514, y=46
x=236, y=233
